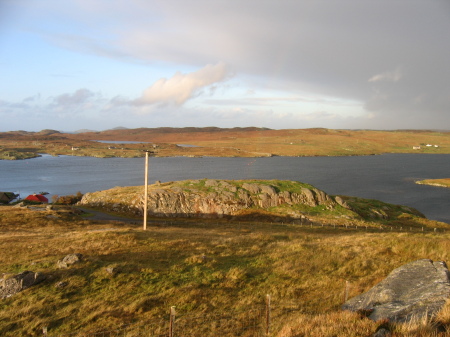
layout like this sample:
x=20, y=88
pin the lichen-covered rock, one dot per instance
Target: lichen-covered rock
x=412, y=291
x=13, y=284
x=69, y=260
x=252, y=188
x=341, y=202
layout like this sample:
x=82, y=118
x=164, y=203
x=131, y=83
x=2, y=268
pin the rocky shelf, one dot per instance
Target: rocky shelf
x=247, y=199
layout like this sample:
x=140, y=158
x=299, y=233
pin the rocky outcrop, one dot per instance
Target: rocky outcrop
x=412, y=291
x=12, y=284
x=213, y=198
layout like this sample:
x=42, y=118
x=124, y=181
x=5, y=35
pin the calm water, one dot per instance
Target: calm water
x=389, y=177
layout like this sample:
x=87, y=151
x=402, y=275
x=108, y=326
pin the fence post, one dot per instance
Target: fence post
x=172, y=321
x=267, y=314
x=347, y=288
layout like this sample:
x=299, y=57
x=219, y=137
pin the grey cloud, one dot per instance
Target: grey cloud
x=388, y=76
x=392, y=56
x=79, y=97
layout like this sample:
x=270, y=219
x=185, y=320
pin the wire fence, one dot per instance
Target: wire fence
x=253, y=322
x=257, y=320
x=316, y=225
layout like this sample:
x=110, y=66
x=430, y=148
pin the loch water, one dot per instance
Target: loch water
x=389, y=177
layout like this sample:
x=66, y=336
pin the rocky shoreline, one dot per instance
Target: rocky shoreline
x=239, y=199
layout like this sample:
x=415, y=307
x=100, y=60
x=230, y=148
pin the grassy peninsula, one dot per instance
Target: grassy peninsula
x=210, y=270
x=444, y=182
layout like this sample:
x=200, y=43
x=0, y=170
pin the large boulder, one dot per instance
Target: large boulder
x=12, y=284
x=412, y=291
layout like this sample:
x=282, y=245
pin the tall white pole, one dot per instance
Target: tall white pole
x=146, y=190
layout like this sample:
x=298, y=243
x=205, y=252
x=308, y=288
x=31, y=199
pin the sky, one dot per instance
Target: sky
x=281, y=64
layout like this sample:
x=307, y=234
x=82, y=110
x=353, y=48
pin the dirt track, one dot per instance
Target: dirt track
x=101, y=216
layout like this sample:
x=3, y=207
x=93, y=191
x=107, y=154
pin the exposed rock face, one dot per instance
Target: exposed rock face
x=16, y=283
x=214, y=198
x=412, y=291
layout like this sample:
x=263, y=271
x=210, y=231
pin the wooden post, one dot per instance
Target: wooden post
x=172, y=322
x=146, y=190
x=347, y=288
x=267, y=314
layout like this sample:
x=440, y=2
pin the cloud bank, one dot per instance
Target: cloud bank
x=388, y=57
x=181, y=87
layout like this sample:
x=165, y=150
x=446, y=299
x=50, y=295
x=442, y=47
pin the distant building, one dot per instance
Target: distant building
x=6, y=197
x=37, y=198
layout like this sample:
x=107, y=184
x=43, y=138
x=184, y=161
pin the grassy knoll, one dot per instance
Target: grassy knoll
x=200, y=267
x=358, y=212
x=237, y=142
x=444, y=182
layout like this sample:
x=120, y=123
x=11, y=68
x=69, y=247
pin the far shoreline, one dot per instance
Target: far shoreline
x=442, y=182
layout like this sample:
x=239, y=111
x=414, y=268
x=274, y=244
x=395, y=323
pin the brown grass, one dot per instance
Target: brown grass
x=445, y=182
x=199, y=267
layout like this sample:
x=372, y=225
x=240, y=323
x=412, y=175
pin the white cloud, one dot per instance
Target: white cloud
x=388, y=76
x=181, y=87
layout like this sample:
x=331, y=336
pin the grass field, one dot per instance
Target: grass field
x=201, y=268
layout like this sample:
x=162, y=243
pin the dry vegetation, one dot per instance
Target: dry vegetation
x=237, y=142
x=200, y=267
x=445, y=182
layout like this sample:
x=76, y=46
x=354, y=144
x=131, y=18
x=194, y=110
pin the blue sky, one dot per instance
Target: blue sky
x=100, y=64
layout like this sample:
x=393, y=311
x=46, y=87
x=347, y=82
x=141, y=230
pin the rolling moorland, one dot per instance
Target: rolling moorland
x=235, y=142
x=213, y=269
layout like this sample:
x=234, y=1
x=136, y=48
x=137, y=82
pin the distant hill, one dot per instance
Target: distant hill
x=84, y=131
x=47, y=132
x=119, y=128
x=167, y=134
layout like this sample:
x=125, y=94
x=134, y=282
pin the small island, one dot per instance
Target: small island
x=443, y=182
